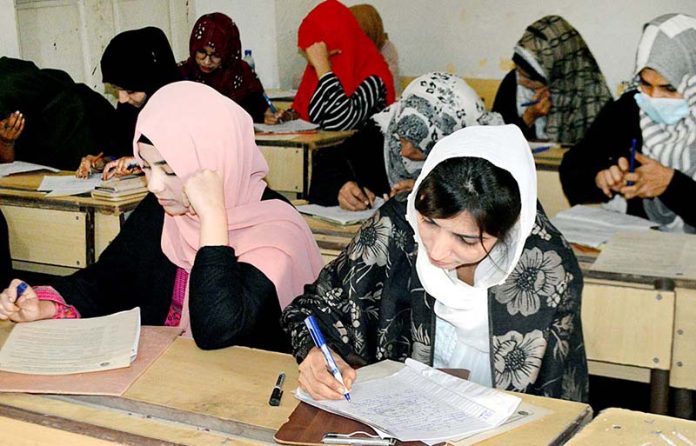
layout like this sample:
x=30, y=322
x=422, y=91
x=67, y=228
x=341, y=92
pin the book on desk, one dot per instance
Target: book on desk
x=120, y=188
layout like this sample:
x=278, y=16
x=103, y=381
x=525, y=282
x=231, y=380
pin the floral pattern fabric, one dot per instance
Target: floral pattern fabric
x=372, y=306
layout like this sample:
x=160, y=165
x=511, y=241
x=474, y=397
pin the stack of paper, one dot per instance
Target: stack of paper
x=121, y=187
x=419, y=403
x=62, y=185
x=294, y=126
x=593, y=226
x=65, y=346
x=335, y=214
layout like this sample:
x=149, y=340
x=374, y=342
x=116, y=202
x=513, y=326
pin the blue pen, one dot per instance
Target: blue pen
x=541, y=149
x=632, y=160
x=21, y=288
x=318, y=339
x=270, y=104
x=530, y=103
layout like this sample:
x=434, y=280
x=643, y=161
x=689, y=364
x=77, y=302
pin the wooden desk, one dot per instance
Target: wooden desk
x=289, y=157
x=619, y=427
x=549, y=188
x=57, y=235
x=195, y=397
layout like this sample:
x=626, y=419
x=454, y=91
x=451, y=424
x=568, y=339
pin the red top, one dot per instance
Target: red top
x=334, y=24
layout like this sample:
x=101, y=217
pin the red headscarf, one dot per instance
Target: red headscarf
x=234, y=78
x=334, y=24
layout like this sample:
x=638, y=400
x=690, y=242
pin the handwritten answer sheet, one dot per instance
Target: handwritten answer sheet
x=652, y=253
x=62, y=185
x=65, y=346
x=294, y=126
x=593, y=226
x=335, y=214
x=447, y=407
x=21, y=167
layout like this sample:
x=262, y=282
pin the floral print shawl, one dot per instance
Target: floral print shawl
x=371, y=306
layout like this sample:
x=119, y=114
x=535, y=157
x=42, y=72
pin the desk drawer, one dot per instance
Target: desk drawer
x=286, y=168
x=47, y=236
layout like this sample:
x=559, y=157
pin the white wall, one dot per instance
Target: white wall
x=9, y=38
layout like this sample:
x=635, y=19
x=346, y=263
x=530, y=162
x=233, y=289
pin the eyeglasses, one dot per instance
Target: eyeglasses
x=203, y=54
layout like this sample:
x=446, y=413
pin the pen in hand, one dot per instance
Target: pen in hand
x=362, y=189
x=21, y=288
x=632, y=160
x=530, y=103
x=277, y=392
x=318, y=339
x=272, y=107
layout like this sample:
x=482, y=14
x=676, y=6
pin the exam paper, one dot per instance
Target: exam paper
x=593, y=226
x=65, y=346
x=652, y=253
x=62, y=185
x=294, y=126
x=447, y=407
x=22, y=166
x=341, y=216
x=280, y=94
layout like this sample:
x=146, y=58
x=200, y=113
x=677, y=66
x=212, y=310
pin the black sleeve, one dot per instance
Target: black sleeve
x=255, y=104
x=333, y=109
x=505, y=103
x=608, y=138
x=676, y=196
x=5, y=259
x=359, y=158
x=233, y=303
x=132, y=271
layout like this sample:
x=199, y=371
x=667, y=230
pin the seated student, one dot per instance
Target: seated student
x=467, y=272
x=660, y=116
x=385, y=156
x=346, y=80
x=136, y=63
x=556, y=89
x=46, y=118
x=212, y=249
x=371, y=23
x=216, y=59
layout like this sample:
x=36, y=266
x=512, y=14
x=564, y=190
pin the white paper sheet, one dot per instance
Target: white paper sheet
x=62, y=185
x=446, y=407
x=593, y=226
x=652, y=253
x=335, y=214
x=66, y=346
x=294, y=126
x=280, y=94
x=22, y=166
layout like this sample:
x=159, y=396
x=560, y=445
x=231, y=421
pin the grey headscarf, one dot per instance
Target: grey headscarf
x=668, y=46
x=431, y=107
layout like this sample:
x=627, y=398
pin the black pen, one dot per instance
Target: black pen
x=277, y=392
x=355, y=176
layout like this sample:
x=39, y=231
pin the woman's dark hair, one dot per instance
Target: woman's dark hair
x=487, y=192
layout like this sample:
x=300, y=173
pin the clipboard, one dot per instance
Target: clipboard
x=308, y=424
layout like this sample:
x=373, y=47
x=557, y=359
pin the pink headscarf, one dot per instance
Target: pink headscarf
x=194, y=127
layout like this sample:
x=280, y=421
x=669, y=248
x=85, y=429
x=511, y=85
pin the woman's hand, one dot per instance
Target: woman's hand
x=11, y=128
x=351, y=197
x=318, y=56
x=540, y=108
x=649, y=180
x=25, y=308
x=402, y=186
x=271, y=118
x=89, y=164
x=123, y=166
x=205, y=195
x=612, y=179
x=316, y=380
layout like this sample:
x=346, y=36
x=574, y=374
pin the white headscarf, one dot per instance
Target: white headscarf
x=466, y=306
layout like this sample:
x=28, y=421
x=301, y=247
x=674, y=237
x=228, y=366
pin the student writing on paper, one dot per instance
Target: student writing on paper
x=215, y=59
x=371, y=23
x=556, y=88
x=212, y=250
x=46, y=118
x=659, y=114
x=464, y=272
x=136, y=63
x=386, y=156
x=346, y=80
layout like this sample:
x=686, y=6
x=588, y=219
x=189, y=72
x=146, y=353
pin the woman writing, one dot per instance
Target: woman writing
x=467, y=272
x=658, y=119
x=211, y=250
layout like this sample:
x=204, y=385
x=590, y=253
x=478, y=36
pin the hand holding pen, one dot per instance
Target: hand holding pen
x=272, y=115
x=19, y=303
x=322, y=374
x=538, y=107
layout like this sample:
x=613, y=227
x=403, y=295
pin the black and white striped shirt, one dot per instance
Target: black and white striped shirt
x=332, y=109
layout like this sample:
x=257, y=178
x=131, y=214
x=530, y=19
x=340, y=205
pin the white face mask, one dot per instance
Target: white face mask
x=412, y=166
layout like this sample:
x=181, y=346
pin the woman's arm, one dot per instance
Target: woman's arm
x=255, y=104
x=332, y=109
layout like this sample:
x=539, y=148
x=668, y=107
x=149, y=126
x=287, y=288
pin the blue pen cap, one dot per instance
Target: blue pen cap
x=21, y=288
